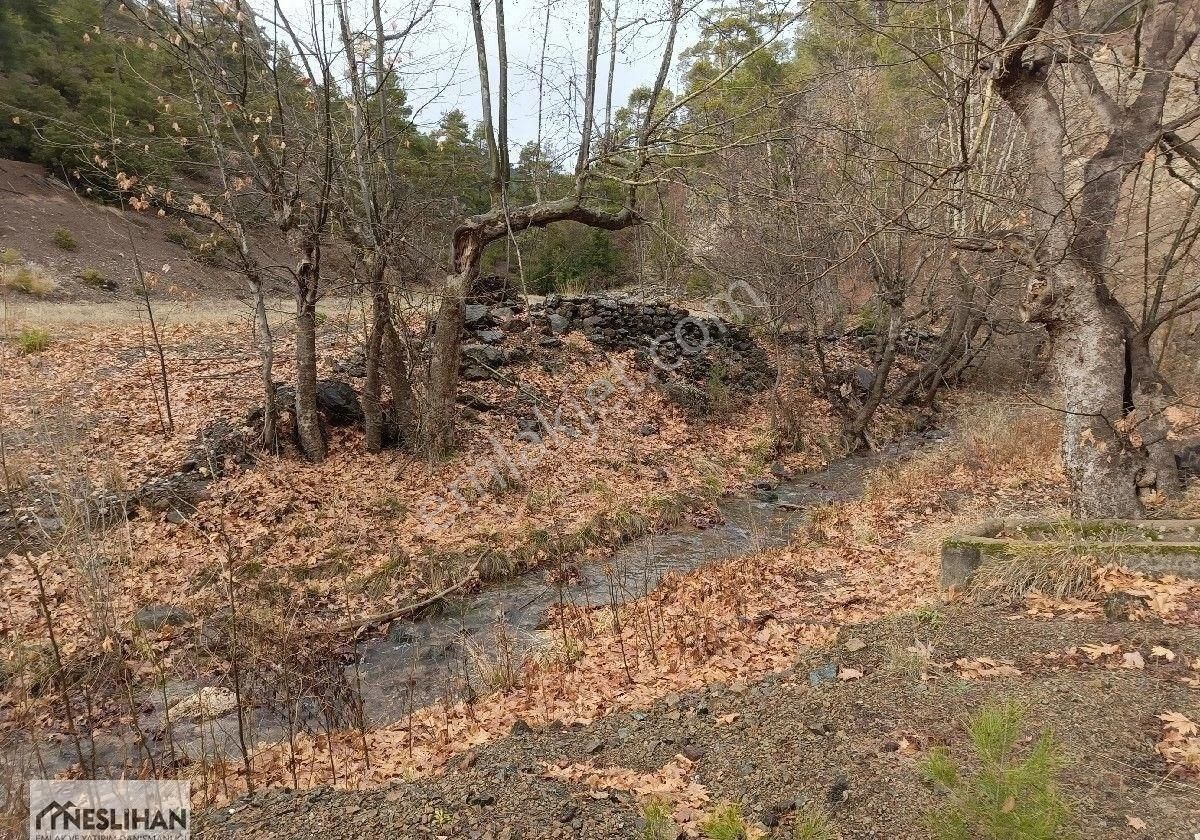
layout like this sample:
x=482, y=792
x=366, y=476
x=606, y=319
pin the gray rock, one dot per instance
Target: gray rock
x=502, y=313
x=492, y=336
x=558, y=324
x=176, y=517
x=863, y=378
x=474, y=373
x=483, y=354
x=158, y=616
x=474, y=313
x=826, y=673
x=647, y=429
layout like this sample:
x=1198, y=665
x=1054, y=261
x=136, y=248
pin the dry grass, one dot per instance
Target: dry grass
x=1058, y=570
x=29, y=279
x=25, y=310
x=1019, y=444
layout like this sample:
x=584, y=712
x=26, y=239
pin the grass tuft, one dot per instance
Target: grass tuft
x=656, y=821
x=812, y=824
x=29, y=279
x=725, y=823
x=93, y=277
x=32, y=340
x=64, y=239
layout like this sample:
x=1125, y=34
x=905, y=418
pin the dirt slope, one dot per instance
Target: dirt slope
x=33, y=206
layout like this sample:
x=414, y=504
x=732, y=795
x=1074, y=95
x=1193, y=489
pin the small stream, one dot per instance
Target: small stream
x=438, y=658
x=420, y=663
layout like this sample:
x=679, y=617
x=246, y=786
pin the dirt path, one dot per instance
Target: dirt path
x=851, y=749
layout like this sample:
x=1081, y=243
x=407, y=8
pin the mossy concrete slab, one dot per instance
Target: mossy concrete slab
x=1151, y=546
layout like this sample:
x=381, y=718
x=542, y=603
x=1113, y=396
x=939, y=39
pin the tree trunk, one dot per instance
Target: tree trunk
x=399, y=379
x=856, y=434
x=308, y=424
x=266, y=353
x=443, y=366
x=440, y=408
x=1090, y=359
x=372, y=410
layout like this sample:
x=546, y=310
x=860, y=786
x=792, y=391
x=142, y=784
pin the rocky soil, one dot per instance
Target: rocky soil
x=803, y=738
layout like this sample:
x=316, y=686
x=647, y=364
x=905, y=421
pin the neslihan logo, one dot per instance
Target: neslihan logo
x=92, y=809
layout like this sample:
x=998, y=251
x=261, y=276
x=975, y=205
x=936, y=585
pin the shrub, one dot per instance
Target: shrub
x=571, y=258
x=64, y=239
x=10, y=256
x=725, y=823
x=93, y=277
x=32, y=340
x=1007, y=797
x=30, y=279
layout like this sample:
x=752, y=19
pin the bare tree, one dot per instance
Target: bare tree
x=1115, y=438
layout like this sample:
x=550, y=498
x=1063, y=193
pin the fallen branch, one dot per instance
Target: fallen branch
x=401, y=612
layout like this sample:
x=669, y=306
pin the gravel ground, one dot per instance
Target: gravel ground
x=851, y=748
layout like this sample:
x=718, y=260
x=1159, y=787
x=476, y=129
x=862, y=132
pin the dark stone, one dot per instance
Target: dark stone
x=558, y=324
x=158, y=616
x=863, y=378
x=549, y=341
x=491, y=336
x=338, y=401
x=483, y=354
x=176, y=517
x=476, y=374
x=521, y=727
x=839, y=791
x=647, y=429
x=480, y=798
x=475, y=313
x=475, y=401
x=502, y=313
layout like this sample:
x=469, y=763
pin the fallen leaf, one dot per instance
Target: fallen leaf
x=1133, y=660
x=849, y=673
x=1135, y=822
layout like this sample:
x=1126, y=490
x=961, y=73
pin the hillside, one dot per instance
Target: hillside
x=86, y=249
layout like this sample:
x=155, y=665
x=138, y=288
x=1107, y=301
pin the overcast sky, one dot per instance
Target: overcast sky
x=440, y=68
